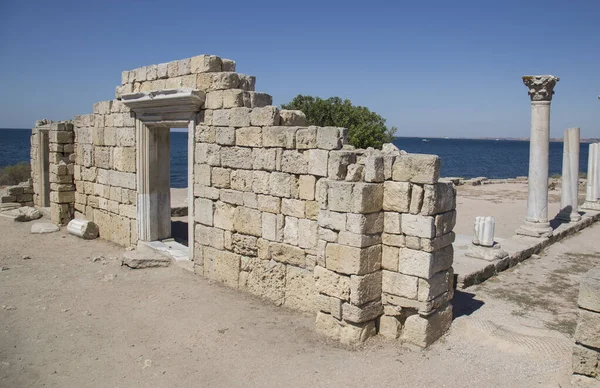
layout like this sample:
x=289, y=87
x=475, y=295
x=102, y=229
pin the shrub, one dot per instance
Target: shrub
x=12, y=175
x=365, y=128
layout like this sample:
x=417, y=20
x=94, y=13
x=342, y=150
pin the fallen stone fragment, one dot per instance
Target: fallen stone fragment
x=26, y=257
x=5, y=307
x=83, y=228
x=137, y=260
x=44, y=227
x=27, y=213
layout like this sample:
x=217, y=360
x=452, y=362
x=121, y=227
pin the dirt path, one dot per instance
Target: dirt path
x=68, y=320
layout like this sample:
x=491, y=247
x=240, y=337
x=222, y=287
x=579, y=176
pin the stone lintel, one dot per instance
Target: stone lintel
x=170, y=102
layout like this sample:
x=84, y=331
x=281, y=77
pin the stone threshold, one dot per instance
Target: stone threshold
x=170, y=248
x=470, y=271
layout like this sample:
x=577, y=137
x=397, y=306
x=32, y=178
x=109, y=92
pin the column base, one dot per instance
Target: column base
x=486, y=253
x=591, y=205
x=535, y=229
x=569, y=217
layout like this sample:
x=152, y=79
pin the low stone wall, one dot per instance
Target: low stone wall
x=586, y=352
x=21, y=194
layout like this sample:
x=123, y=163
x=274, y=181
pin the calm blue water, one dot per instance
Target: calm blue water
x=460, y=157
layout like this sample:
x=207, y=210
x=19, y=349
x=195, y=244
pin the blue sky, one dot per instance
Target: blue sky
x=431, y=68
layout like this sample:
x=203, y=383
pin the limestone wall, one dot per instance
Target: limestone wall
x=586, y=351
x=104, y=171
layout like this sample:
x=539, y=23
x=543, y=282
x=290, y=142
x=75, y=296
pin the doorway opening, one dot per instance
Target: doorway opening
x=44, y=168
x=179, y=184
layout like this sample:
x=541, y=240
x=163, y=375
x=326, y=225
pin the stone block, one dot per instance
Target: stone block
x=264, y=158
x=228, y=64
x=306, y=138
x=223, y=135
x=294, y=162
x=396, y=196
x=345, y=332
x=293, y=207
x=206, y=235
x=220, y=117
x=351, y=260
x=225, y=80
x=588, y=328
x=272, y=226
x=327, y=234
x=244, y=245
x=233, y=197
x=267, y=203
x=439, y=284
x=220, y=177
x=358, y=240
x=205, y=64
x=367, y=197
x=389, y=257
x=417, y=225
x=307, y=234
x=589, y=291
x=330, y=138
x=423, y=331
x=236, y=157
x=206, y=153
x=102, y=157
x=424, y=264
x=265, y=279
x=317, y=162
x=366, y=288
x=266, y=116
x=389, y=326
x=416, y=200
x=399, y=284
x=247, y=221
x=374, y=169
x=290, y=231
x=62, y=196
x=233, y=98
x=203, y=211
x=288, y=254
x=222, y=266
x=223, y=215
x=417, y=168
x=329, y=304
x=437, y=243
x=337, y=165
x=306, y=187
x=280, y=184
x=242, y=180
x=284, y=137
x=364, y=313
x=586, y=361
x=292, y=117
x=444, y=223
x=332, y=220
x=331, y=283
x=124, y=159
x=356, y=173
x=339, y=196
x=248, y=137
x=214, y=100
x=438, y=198
x=202, y=174
x=257, y=100
x=299, y=289
x=392, y=222
x=240, y=117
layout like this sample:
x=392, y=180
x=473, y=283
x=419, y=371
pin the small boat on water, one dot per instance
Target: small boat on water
x=424, y=140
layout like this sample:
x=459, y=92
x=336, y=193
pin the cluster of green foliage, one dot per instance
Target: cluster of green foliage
x=365, y=128
x=12, y=175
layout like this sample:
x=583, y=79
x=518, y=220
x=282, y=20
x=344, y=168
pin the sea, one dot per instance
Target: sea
x=467, y=158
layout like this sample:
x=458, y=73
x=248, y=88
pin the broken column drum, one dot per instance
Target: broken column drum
x=483, y=231
x=592, y=192
x=541, y=89
x=570, y=177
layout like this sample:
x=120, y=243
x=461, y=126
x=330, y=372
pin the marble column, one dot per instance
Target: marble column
x=541, y=89
x=592, y=192
x=570, y=177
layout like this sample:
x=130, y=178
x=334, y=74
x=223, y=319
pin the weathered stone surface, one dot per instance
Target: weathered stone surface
x=329, y=304
x=267, y=116
x=352, y=260
x=280, y=184
x=417, y=225
x=423, y=331
x=290, y=231
x=436, y=286
x=332, y=220
x=204, y=210
x=389, y=326
x=337, y=165
x=247, y=221
x=317, y=162
x=389, y=257
x=223, y=135
x=367, y=198
x=424, y=264
x=244, y=245
x=392, y=222
x=399, y=284
x=299, y=289
x=330, y=138
x=292, y=117
x=396, y=196
x=586, y=361
x=374, y=169
x=288, y=254
x=438, y=198
x=365, y=223
x=205, y=63
x=264, y=159
x=239, y=117
x=27, y=213
x=236, y=157
x=248, y=137
x=331, y=283
x=356, y=173
x=284, y=137
x=589, y=291
x=345, y=332
x=445, y=222
x=294, y=162
x=306, y=138
x=588, y=328
x=365, y=288
x=44, y=227
x=417, y=168
x=264, y=278
x=222, y=266
x=416, y=200
x=307, y=233
x=364, y=313
x=138, y=260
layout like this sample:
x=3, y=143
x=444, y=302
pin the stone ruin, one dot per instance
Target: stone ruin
x=278, y=209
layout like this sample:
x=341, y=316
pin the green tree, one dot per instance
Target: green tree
x=365, y=128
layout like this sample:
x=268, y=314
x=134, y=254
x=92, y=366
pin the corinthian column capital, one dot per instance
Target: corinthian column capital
x=541, y=87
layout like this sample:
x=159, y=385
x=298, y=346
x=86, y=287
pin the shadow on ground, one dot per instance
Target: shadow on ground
x=464, y=303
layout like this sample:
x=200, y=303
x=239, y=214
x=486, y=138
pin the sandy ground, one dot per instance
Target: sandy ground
x=72, y=317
